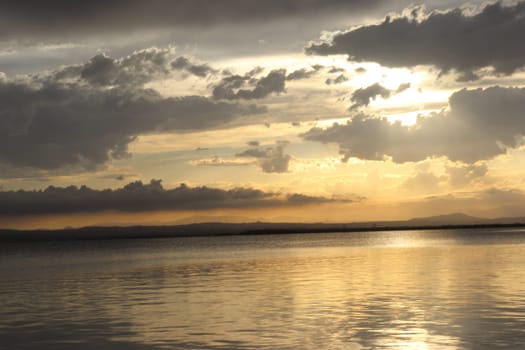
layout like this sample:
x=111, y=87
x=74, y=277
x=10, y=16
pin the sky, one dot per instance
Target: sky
x=167, y=112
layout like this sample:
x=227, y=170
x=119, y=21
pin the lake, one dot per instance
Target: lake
x=441, y=289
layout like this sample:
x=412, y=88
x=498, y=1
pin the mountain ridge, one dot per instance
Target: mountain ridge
x=453, y=220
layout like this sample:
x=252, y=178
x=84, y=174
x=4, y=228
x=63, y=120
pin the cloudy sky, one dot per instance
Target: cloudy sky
x=158, y=112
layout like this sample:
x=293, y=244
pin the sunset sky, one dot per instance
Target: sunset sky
x=165, y=112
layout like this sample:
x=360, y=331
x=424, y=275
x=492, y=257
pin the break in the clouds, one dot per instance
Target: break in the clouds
x=85, y=115
x=32, y=20
x=479, y=125
x=137, y=197
x=451, y=40
x=271, y=159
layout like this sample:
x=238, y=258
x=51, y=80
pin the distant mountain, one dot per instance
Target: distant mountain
x=448, y=219
x=455, y=220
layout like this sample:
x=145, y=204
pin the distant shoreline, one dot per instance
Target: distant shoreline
x=221, y=229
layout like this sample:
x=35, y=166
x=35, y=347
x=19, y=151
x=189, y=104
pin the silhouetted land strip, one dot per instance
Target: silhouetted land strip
x=223, y=229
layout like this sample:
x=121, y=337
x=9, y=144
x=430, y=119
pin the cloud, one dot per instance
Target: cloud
x=135, y=69
x=402, y=87
x=72, y=118
x=362, y=97
x=462, y=175
x=219, y=161
x=200, y=70
x=302, y=73
x=301, y=199
x=270, y=159
x=137, y=197
x=335, y=69
x=479, y=125
x=423, y=182
x=452, y=40
x=231, y=87
x=341, y=78
x=31, y=19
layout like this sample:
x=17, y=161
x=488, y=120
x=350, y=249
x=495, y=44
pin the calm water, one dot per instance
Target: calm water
x=461, y=289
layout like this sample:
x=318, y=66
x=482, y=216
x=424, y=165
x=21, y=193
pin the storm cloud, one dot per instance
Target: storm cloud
x=72, y=118
x=137, y=197
x=184, y=63
x=302, y=73
x=341, y=78
x=479, y=125
x=248, y=87
x=363, y=97
x=135, y=69
x=32, y=19
x=452, y=40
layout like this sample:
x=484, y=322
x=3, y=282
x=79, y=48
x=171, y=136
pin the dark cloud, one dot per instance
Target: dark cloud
x=117, y=176
x=403, y=87
x=136, y=197
x=270, y=159
x=100, y=70
x=59, y=120
x=362, y=97
x=219, y=161
x=479, y=125
x=335, y=69
x=32, y=19
x=138, y=68
x=301, y=199
x=451, y=40
x=200, y=70
x=339, y=80
x=302, y=73
x=249, y=87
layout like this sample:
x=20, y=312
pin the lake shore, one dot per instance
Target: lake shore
x=225, y=229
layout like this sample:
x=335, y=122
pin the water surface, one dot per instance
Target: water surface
x=457, y=289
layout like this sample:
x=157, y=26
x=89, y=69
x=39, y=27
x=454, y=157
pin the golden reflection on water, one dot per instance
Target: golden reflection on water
x=278, y=292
